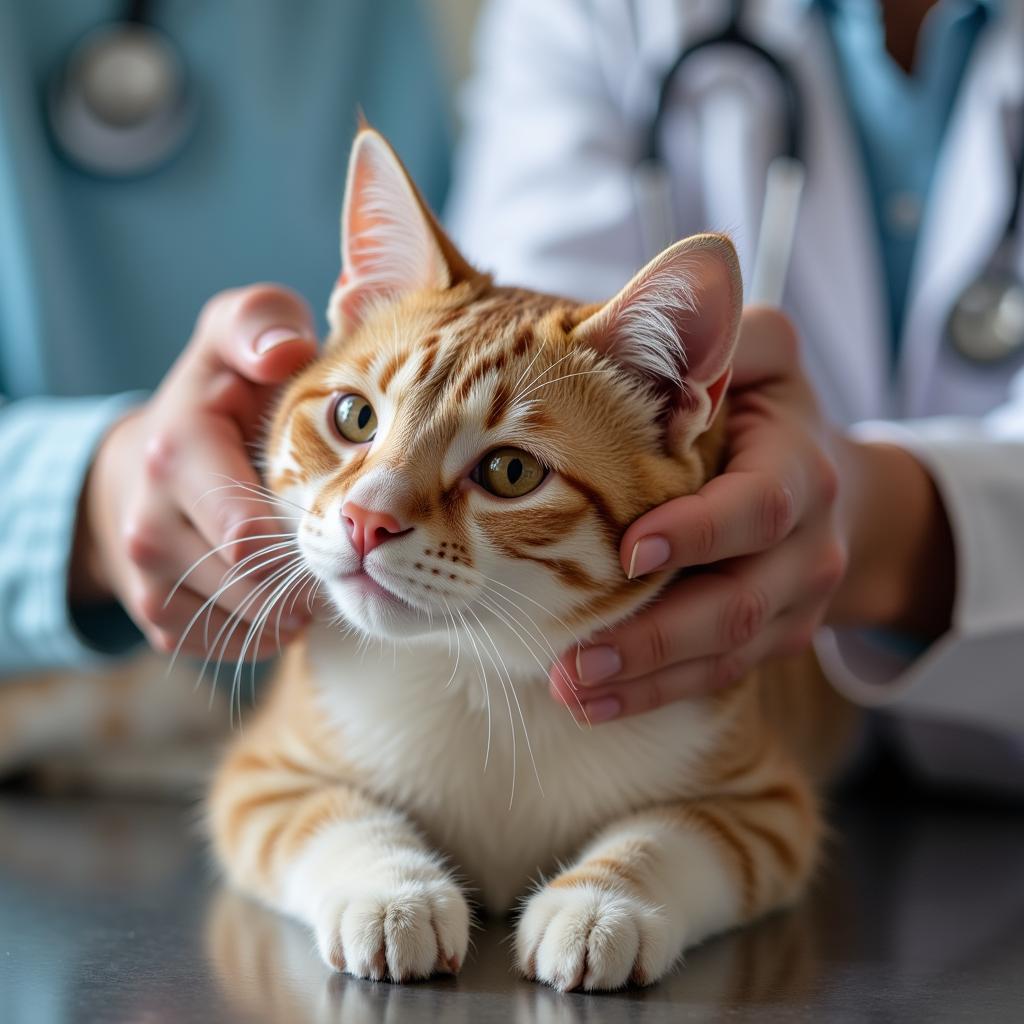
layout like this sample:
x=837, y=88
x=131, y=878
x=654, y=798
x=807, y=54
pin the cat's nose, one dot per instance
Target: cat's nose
x=369, y=529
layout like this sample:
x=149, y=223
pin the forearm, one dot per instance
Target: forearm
x=901, y=574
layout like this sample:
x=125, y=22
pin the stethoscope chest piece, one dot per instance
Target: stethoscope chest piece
x=987, y=322
x=120, y=105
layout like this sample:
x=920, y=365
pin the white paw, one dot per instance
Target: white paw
x=588, y=937
x=405, y=930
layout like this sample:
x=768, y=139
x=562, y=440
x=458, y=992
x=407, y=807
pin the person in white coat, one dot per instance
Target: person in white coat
x=895, y=537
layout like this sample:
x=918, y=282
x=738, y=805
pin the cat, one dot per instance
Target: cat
x=459, y=465
x=132, y=727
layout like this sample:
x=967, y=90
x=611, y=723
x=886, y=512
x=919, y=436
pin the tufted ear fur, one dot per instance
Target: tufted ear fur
x=390, y=241
x=675, y=325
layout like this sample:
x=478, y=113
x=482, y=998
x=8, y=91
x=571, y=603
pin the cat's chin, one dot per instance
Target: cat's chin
x=374, y=610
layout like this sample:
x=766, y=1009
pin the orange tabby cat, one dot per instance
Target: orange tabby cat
x=460, y=464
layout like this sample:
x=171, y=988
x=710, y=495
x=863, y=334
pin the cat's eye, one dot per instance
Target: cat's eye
x=509, y=472
x=355, y=419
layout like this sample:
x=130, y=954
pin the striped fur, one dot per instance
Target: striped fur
x=418, y=757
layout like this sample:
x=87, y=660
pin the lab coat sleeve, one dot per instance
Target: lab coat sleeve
x=46, y=447
x=974, y=673
x=543, y=189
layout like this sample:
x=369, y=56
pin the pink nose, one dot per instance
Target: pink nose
x=369, y=529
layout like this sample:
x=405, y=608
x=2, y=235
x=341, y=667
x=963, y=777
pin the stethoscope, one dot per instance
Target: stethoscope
x=121, y=104
x=986, y=324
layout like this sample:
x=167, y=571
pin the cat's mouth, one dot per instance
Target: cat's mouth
x=368, y=587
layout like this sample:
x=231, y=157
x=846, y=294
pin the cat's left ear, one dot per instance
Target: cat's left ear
x=391, y=243
x=675, y=325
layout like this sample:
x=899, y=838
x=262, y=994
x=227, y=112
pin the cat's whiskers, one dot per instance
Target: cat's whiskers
x=567, y=376
x=220, y=547
x=504, y=617
x=234, y=620
x=223, y=636
x=519, y=708
x=511, y=720
x=258, y=491
x=547, y=369
x=260, y=618
x=529, y=365
x=547, y=611
x=537, y=632
x=458, y=642
x=254, y=634
x=233, y=575
x=483, y=683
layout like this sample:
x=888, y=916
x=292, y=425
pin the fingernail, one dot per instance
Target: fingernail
x=602, y=710
x=595, y=664
x=275, y=336
x=293, y=623
x=649, y=553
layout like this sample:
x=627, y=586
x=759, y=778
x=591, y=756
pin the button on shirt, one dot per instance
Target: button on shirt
x=901, y=119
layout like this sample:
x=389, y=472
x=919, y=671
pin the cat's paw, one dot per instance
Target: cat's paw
x=592, y=938
x=399, y=932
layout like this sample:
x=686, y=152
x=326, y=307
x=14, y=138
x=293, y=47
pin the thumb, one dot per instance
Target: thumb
x=265, y=333
x=768, y=347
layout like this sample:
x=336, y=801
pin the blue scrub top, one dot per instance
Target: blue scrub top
x=101, y=280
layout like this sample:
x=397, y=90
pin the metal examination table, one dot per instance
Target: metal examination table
x=109, y=912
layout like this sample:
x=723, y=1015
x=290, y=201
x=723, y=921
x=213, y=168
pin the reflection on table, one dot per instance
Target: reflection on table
x=110, y=911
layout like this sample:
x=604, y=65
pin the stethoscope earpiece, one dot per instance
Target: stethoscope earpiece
x=120, y=105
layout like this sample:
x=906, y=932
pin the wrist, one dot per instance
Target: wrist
x=901, y=557
x=88, y=578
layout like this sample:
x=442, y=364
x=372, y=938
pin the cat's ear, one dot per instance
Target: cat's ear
x=675, y=325
x=391, y=243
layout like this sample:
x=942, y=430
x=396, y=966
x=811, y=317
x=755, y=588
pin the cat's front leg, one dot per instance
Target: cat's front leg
x=658, y=882
x=381, y=903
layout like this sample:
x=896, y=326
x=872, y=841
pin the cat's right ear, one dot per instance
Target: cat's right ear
x=391, y=243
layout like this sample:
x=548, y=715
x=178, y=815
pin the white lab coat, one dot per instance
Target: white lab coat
x=544, y=196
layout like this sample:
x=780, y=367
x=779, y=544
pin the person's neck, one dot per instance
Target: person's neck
x=903, y=20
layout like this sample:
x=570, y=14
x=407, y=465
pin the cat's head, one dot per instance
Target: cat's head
x=469, y=455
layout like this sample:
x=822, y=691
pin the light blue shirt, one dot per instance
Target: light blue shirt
x=901, y=119
x=101, y=280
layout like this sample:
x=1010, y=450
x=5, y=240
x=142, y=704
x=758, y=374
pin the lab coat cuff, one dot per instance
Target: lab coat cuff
x=61, y=438
x=943, y=683
x=943, y=680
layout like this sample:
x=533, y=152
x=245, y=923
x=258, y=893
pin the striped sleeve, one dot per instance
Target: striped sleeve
x=46, y=447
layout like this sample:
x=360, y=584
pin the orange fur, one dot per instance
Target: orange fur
x=471, y=351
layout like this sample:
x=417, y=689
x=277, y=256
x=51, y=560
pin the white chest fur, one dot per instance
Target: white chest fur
x=421, y=743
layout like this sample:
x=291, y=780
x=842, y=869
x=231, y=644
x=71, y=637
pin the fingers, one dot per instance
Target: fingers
x=204, y=472
x=706, y=630
x=717, y=612
x=189, y=625
x=791, y=633
x=176, y=590
x=696, y=618
x=264, y=332
x=735, y=514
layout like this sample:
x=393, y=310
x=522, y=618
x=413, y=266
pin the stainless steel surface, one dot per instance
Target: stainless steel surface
x=110, y=912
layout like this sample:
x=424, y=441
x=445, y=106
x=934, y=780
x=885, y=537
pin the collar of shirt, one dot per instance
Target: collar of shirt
x=900, y=118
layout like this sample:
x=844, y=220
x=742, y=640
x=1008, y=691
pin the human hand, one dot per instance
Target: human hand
x=767, y=529
x=173, y=482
